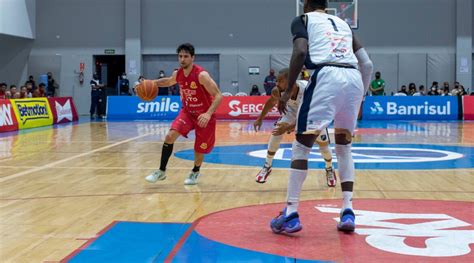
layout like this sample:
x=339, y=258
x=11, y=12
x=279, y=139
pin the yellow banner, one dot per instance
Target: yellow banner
x=32, y=113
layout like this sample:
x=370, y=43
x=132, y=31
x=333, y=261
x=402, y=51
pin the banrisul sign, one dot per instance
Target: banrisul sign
x=410, y=108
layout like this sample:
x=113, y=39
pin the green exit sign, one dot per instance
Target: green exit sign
x=109, y=51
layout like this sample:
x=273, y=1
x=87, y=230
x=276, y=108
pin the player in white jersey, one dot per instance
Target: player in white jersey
x=342, y=71
x=286, y=124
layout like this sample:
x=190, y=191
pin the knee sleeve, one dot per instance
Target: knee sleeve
x=274, y=143
x=345, y=163
x=300, y=151
x=323, y=138
x=343, y=136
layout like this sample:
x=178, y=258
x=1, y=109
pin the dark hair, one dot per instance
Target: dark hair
x=42, y=85
x=187, y=47
x=284, y=72
x=318, y=4
x=421, y=87
x=12, y=86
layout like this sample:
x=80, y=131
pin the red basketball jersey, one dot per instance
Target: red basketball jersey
x=196, y=100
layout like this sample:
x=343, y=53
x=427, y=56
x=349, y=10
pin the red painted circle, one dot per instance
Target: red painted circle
x=248, y=228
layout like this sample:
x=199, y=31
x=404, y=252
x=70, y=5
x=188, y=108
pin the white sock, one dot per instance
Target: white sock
x=345, y=163
x=273, y=146
x=327, y=155
x=269, y=160
x=347, y=200
x=295, y=184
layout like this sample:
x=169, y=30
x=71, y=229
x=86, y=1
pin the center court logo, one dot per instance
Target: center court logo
x=387, y=232
x=366, y=156
x=373, y=155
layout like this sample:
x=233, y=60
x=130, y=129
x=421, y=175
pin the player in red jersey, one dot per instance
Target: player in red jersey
x=201, y=97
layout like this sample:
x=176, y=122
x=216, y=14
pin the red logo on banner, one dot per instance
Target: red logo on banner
x=468, y=107
x=245, y=107
x=8, y=120
x=63, y=109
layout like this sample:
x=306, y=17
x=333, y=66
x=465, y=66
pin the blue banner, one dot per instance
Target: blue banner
x=133, y=108
x=410, y=108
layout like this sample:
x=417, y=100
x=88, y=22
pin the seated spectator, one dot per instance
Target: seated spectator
x=456, y=89
x=445, y=92
x=13, y=90
x=434, y=89
x=402, y=91
x=421, y=91
x=40, y=91
x=23, y=92
x=31, y=80
x=3, y=89
x=8, y=95
x=445, y=85
x=462, y=91
x=254, y=91
x=411, y=89
x=16, y=95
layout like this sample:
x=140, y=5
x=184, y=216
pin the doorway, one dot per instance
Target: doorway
x=109, y=68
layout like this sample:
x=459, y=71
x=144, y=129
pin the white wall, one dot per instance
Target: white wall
x=17, y=18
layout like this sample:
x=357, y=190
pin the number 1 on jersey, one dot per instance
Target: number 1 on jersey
x=333, y=24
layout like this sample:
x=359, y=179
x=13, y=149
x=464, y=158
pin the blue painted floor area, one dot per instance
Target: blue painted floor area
x=366, y=156
x=133, y=242
x=130, y=242
x=200, y=249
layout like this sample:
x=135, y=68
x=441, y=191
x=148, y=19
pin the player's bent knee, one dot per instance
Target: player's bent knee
x=306, y=139
x=299, y=164
x=300, y=151
x=343, y=137
x=171, y=136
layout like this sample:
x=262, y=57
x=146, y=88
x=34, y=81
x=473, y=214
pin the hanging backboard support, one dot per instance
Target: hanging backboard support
x=347, y=10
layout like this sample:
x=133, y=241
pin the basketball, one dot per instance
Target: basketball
x=147, y=90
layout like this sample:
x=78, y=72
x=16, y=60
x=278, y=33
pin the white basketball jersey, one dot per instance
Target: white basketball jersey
x=329, y=39
x=293, y=105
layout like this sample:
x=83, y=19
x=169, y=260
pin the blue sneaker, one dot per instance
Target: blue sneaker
x=287, y=224
x=347, y=221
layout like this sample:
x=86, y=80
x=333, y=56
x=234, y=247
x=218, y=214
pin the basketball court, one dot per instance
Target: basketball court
x=76, y=193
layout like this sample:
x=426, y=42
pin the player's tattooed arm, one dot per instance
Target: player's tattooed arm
x=168, y=81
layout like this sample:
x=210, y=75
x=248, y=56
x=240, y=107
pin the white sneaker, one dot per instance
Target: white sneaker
x=331, y=177
x=192, y=178
x=157, y=175
x=263, y=174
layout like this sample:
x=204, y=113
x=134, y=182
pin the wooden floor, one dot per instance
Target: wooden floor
x=61, y=186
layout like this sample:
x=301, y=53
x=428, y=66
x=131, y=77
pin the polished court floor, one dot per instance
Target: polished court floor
x=77, y=193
